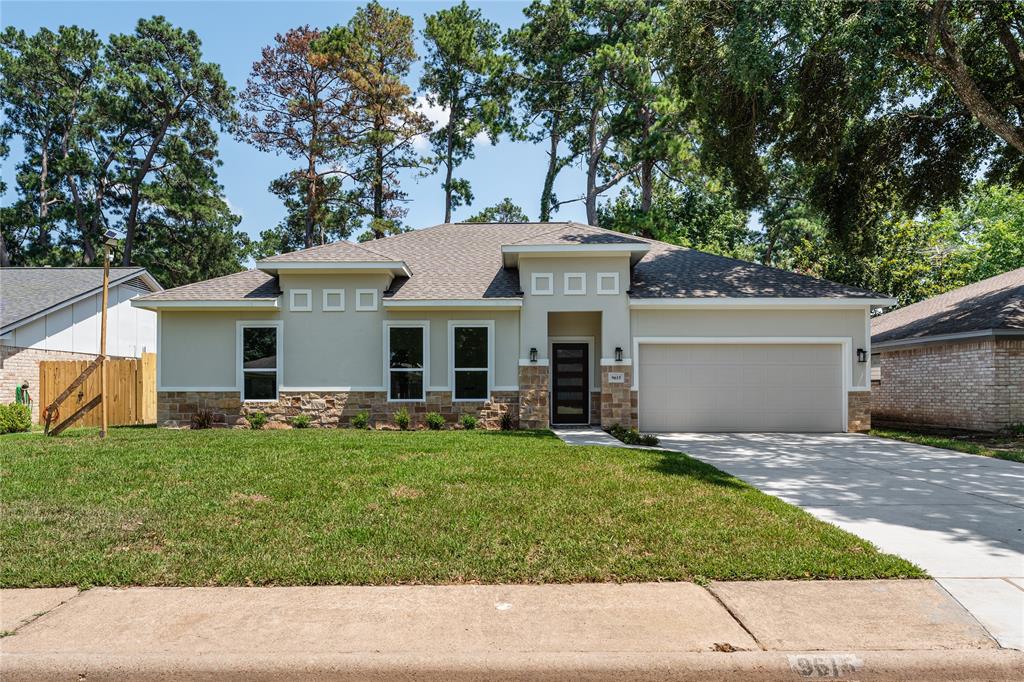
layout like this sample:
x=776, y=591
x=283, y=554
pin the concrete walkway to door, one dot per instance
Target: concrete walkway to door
x=960, y=517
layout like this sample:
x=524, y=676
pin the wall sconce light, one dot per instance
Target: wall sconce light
x=533, y=355
x=618, y=354
x=862, y=355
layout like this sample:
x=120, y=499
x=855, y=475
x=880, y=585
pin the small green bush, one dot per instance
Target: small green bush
x=402, y=419
x=257, y=420
x=301, y=421
x=468, y=422
x=507, y=422
x=361, y=420
x=435, y=422
x=15, y=418
x=632, y=436
x=202, y=419
x=1017, y=429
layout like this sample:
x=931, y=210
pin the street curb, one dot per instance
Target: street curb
x=864, y=666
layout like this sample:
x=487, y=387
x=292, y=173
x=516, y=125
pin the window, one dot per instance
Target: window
x=471, y=359
x=542, y=284
x=366, y=300
x=300, y=300
x=334, y=300
x=607, y=283
x=575, y=283
x=259, y=362
x=406, y=357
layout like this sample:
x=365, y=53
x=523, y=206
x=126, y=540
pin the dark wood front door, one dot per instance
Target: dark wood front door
x=570, y=383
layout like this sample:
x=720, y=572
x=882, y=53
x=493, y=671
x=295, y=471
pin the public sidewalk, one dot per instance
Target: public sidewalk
x=857, y=630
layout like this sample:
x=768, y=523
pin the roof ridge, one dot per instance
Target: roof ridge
x=541, y=234
x=354, y=245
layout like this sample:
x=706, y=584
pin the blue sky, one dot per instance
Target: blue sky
x=234, y=32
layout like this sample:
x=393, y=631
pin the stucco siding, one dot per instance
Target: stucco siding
x=850, y=323
x=197, y=349
x=614, y=309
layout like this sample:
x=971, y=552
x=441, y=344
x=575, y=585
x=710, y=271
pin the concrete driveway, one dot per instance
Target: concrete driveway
x=960, y=517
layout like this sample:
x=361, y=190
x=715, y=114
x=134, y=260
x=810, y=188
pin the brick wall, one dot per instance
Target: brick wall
x=618, y=401
x=969, y=385
x=534, y=412
x=858, y=411
x=22, y=364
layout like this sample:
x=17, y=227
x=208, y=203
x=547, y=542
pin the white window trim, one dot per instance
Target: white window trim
x=489, y=326
x=327, y=308
x=366, y=308
x=294, y=307
x=536, y=290
x=240, y=326
x=421, y=324
x=569, y=291
x=602, y=290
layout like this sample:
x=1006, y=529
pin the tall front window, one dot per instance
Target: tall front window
x=405, y=363
x=259, y=363
x=470, y=362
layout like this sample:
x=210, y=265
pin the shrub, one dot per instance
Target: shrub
x=632, y=436
x=468, y=422
x=257, y=420
x=435, y=422
x=507, y=423
x=202, y=419
x=15, y=418
x=402, y=419
x=301, y=421
x=361, y=420
x=1017, y=429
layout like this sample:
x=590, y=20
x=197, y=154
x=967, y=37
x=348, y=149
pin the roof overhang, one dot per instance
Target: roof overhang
x=946, y=338
x=759, y=302
x=394, y=268
x=512, y=252
x=454, y=304
x=249, y=304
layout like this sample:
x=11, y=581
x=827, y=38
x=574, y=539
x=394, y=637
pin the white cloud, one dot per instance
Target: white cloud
x=438, y=115
x=234, y=209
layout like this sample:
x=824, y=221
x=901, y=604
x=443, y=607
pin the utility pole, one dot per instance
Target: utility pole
x=103, y=339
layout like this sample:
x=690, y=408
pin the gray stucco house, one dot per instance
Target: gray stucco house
x=557, y=323
x=955, y=360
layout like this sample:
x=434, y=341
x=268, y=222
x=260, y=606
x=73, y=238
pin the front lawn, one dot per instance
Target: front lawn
x=1006, y=447
x=157, y=507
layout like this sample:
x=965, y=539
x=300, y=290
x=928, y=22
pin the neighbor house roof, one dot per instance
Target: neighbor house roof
x=995, y=304
x=27, y=293
x=464, y=261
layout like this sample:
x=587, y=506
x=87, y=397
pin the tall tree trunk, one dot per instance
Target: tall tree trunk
x=552, y=171
x=646, y=184
x=5, y=255
x=593, y=160
x=310, y=201
x=136, y=193
x=449, y=161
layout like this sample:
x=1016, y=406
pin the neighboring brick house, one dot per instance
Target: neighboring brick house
x=955, y=360
x=551, y=323
x=54, y=314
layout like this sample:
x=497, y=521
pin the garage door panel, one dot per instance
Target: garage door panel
x=740, y=387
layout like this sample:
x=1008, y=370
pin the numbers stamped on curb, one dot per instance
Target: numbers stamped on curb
x=825, y=666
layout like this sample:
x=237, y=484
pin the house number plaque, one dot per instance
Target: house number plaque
x=616, y=378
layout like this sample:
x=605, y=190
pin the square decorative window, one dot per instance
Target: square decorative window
x=575, y=283
x=607, y=283
x=334, y=301
x=471, y=361
x=366, y=300
x=406, y=353
x=300, y=300
x=259, y=363
x=542, y=284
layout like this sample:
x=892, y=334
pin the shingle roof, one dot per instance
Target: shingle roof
x=334, y=252
x=251, y=284
x=994, y=303
x=464, y=261
x=25, y=292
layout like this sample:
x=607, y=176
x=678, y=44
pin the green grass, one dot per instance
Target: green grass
x=1009, y=453
x=158, y=507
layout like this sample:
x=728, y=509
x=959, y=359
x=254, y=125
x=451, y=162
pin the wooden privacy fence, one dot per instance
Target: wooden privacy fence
x=131, y=390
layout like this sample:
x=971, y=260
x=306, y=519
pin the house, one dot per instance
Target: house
x=54, y=314
x=955, y=360
x=557, y=323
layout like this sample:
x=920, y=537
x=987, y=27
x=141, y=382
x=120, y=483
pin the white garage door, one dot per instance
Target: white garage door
x=741, y=387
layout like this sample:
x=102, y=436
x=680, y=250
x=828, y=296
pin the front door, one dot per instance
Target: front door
x=570, y=383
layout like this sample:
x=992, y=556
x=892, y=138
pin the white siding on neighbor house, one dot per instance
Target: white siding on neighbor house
x=76, y=328
x=845, y=323
x=613, y=309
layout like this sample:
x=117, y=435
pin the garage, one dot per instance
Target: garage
x=735, y=387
